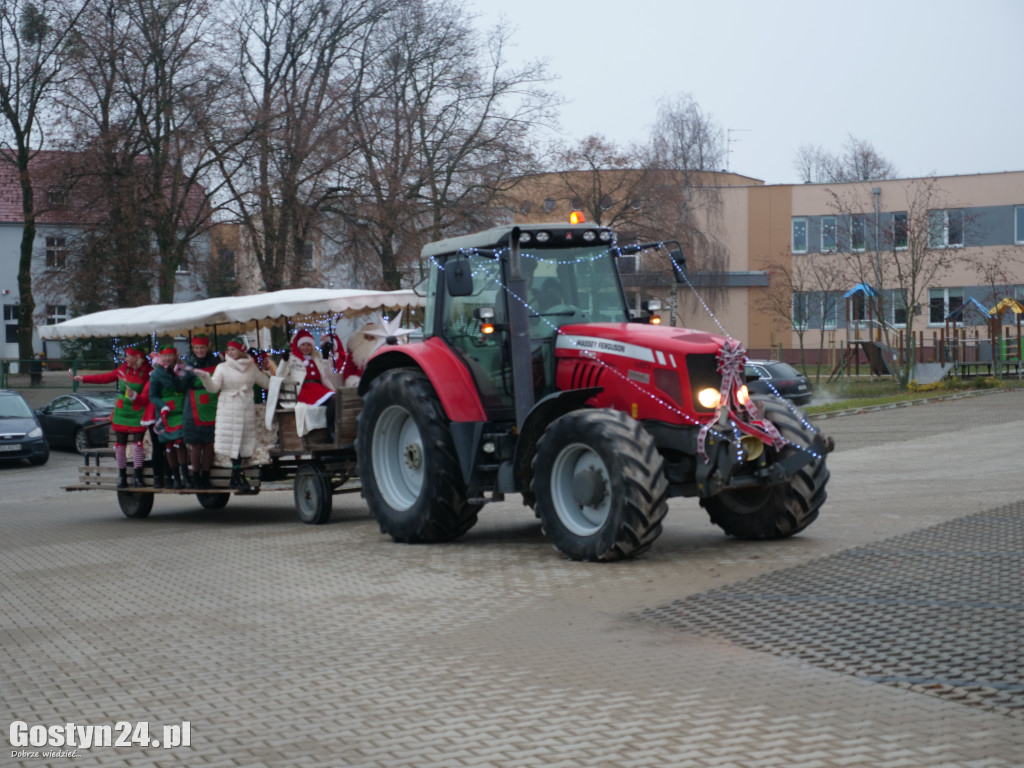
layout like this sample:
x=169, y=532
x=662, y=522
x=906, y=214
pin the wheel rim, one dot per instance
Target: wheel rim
x=398, y=458
x=581, y=489
x=307, y=494
x=81, y=441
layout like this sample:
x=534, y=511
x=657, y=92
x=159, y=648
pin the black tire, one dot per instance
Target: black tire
x=408, y=468
x=599, y=486
x=80, y=440
x=213, y=500
x=313, y=493
x=135, y=505
x=39, y=460
x=778, y=511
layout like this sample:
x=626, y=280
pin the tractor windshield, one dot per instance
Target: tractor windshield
x=573, y=285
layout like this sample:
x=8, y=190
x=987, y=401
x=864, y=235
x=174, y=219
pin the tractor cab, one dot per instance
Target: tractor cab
x=492, y=290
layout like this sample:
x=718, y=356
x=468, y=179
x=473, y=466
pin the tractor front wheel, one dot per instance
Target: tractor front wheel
x=599, y=486
x=777, y=511
x=408, y=468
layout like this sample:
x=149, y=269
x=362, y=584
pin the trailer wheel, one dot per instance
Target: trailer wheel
x=410, y=474
x=213, y=500
x=135, y=505
x=313, y=493
x=599, y=485
x=778, y=511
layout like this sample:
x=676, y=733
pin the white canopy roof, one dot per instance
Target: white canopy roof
x=232, y=314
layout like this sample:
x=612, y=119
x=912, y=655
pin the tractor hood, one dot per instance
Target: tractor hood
x=648, y=371
x=635, y=340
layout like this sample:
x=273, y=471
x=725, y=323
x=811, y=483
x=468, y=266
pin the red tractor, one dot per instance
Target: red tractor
x=535, y=377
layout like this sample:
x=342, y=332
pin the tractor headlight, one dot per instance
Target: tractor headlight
x=743, y=395
x=709, y=397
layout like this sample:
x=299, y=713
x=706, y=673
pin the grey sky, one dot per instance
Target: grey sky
x=936, y=86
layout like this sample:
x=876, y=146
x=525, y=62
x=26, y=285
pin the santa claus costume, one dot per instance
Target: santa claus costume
x=361, y=345
x=332, y=349
x=305, y=364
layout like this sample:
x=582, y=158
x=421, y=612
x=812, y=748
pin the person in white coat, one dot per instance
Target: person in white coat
x=236, y=429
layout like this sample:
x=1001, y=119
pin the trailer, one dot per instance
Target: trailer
x=291, y=455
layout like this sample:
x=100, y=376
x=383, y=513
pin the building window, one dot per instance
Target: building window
x=829, y=310
x=1018, y=228
x=946, y=228
x=56, y=253
x=801, y=302
x=943, y=301
x=799, y=235
x=307, y=255
x=896, y=310
x=11, y=323
x=858, y=232
x=900, y=231
x=182, y=268
x=57, y=197
x=828, y=234
x=56, y=313
x=226, y=262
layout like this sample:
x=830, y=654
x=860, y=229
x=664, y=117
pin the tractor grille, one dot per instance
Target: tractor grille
x=585, y=374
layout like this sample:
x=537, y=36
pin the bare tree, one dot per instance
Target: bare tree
x=33, y=51
x=684, y=138
x=899, y=257
x=174, y=86
x=858, y=161
x=803, y=294
x=298, y=61
x=441, y=124
x=611, y=185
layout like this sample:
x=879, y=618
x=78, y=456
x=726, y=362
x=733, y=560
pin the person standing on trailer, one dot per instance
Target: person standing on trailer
x=235, y=429
x=169, y=400
x=129, y=408
x=149, y=421
x=200, y=411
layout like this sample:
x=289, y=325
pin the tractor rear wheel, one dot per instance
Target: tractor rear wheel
x=778, y=511
x=408, y=468
x=599, y=486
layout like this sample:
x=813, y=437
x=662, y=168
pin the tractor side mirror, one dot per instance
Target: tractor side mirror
x=678, y=264
x=652, y=305
x=458, y=276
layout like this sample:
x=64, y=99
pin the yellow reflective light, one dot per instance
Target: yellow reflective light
x=487, y=328
x=655, y=320
x=743, y=395
x=576, y=217
x=709, y=398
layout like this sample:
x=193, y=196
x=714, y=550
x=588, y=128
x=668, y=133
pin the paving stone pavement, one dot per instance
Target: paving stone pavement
x=291, y=645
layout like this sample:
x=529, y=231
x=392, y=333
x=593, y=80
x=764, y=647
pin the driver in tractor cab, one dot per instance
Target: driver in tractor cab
x=548, y=295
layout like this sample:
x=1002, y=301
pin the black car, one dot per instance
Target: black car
x=79, y=420
x=770, y=377
x=21, y=437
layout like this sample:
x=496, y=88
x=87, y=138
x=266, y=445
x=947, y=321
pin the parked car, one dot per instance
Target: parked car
x=770, y=377
x=79, y=420
x=21, y=436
